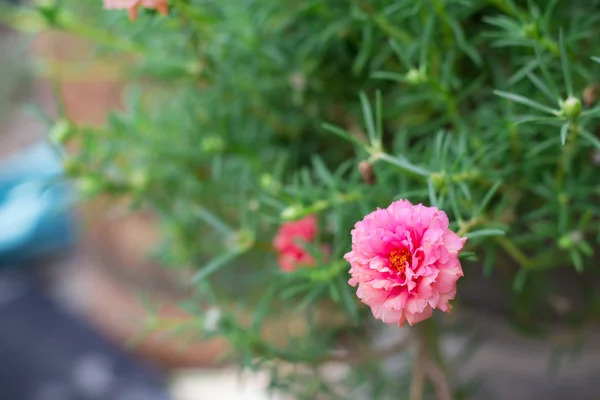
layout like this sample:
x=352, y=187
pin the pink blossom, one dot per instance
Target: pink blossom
x=404, y=260
x=289, y=242
x=133, y=5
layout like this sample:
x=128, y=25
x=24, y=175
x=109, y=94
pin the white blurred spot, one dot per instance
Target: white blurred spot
x=92, y=375
x=211, y=319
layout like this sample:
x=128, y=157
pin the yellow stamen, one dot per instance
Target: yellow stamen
x=399, y=259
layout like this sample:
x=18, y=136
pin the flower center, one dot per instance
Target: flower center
x=399, y=259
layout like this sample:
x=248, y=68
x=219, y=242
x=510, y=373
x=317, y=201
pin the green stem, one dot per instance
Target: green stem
x=385, y=25
x=515, y=252
x=465, y=227
x=565, y=161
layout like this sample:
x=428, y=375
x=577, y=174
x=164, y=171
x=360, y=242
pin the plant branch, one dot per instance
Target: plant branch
x=417, y=384
x=514, y=252
x=465, y=227
x=436, y=376
x=369, y=355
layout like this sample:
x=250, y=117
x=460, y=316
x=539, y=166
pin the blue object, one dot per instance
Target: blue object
x=35, y=207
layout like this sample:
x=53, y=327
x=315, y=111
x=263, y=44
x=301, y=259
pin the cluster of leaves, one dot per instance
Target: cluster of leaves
x=244, y=114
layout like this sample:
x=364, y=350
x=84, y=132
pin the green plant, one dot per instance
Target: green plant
x=244, y=114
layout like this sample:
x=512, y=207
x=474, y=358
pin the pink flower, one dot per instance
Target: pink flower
x=133, y=5
x=289, y=242
x=405, y=262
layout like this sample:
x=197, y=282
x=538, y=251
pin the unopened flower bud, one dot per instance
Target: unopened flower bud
x=213, y=144
x=367, y=173
x=571, y=107
x=531, y=30
x=291, y=213
x=564, y=242
x=438, y=179
x=267, y=182
x=569, y=240
x=416, y=76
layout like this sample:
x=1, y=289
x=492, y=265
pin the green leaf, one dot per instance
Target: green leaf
x=431, y=192
x=322, y=172
x=368, y=118
x=468, y=255
x=591, y=113
x=425, y=38
x=311, y=296
x=212, y=220
x=525, y=101
x=454, y=202
x=564, y=131
x=379, y=117
x=343, y=134
x=398, y=50
x=295, y=289
x=522, y=72
x=387, y=75
x=543, y=87
x=365, y=50
x=596, y=59
x=485, y=233
x=214, y=266
x=487, y=198
x=543, y=61
x=347, y=297
x=564, y=60
x=459, y=37
x=490, y=260
x=590, y=138
x=577, y=260
x=539, y=148
x=334, y=292
x=403, y=164
x=520, y=279
x=263, y=306
x=526, y=119
x=586, y=248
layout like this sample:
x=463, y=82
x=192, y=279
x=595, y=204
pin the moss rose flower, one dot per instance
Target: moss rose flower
x=162, y=6
x=404, y=260
x=289, y=242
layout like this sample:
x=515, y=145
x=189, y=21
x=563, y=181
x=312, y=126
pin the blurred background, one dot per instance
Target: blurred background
x=80, y=273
